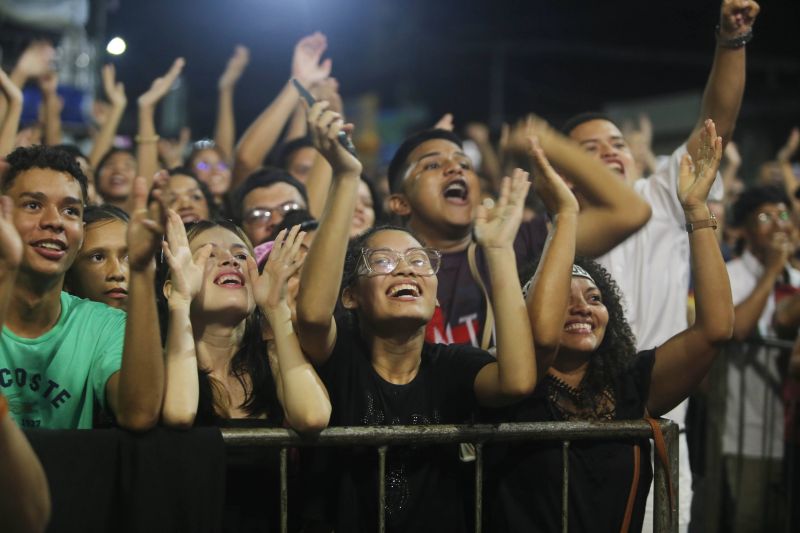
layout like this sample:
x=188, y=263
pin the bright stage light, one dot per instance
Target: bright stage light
x=116, y=46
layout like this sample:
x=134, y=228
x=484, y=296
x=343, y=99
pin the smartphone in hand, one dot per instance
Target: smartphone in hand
x=344, y=140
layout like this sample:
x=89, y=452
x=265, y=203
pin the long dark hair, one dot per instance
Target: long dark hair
x=618, y=348
x=249, y=364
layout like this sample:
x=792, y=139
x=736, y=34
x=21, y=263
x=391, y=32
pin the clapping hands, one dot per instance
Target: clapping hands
x=497, y=227
x=284, y=261
x=162, y=85
x=697, y=175
x=187, y=270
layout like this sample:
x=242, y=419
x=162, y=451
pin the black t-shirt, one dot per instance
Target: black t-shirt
x=524, y=480
x=461, y=312
x=424, y=491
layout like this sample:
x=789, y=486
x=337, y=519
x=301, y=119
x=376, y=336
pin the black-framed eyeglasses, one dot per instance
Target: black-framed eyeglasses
x=262, y=215
x=423, y=261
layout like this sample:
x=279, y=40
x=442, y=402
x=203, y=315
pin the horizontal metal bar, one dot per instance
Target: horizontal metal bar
x=399, y=435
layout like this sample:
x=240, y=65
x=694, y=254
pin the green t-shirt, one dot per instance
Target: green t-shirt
x=52, y=381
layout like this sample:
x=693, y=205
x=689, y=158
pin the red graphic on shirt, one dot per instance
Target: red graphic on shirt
x=465, y=332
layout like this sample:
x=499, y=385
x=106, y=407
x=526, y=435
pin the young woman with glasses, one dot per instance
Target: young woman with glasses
x=209, y=164
x=374, y=362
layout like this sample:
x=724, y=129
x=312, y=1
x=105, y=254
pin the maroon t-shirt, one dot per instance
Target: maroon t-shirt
x=461, y=312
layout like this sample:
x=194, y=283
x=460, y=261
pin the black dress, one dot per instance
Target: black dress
x=525, y=480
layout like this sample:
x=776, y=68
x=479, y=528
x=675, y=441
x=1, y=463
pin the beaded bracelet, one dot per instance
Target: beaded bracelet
x=734, y=42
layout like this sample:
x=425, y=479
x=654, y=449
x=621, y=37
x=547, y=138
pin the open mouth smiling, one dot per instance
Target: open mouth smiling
x=50, y=248
x=230, y=280
x=406, y=291
x=579, y=327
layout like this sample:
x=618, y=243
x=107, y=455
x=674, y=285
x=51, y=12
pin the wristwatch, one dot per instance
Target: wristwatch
x=700, y=224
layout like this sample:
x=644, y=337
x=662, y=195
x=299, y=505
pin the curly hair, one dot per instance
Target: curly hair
x=45, y=157
x=618, y=348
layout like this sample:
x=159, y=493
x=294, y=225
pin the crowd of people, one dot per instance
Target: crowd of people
x=266, y=277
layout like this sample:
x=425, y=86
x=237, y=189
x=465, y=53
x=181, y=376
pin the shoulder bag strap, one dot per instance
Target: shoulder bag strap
x=488, y=325
x=637, y=459
x=661, y=453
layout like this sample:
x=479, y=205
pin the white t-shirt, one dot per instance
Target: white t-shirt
x=652, y=266
x=754, y=370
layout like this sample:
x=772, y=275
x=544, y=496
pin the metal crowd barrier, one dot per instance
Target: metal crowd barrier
x=716, y=505
x=381, y=437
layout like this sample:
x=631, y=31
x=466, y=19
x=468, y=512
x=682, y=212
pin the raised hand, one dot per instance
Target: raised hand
x=115, y=90
x=324, y=126
x=328, y=90
x=518, y=140
x=497, y=227
x=789, y=149
x=284, y=261
x=732, y=155
x=306, y=66
x=697, y=175
x=444, y=123
x=146, y=227
x=35, y=61
x=172, y=150
x=478, y=132
x=549, y=186
x=640, y=142
x=12, y=92
x=10, y=241
x=233, y=71
x=778, y=252
x=162, y=85
x=48, y=83
x=187, y=272
x=737, y=17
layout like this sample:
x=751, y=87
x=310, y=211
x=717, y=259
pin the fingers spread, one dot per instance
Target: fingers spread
x=505, y=188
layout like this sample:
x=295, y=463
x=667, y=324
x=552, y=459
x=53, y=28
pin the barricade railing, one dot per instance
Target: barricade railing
x=382, y=437
x=717, y=505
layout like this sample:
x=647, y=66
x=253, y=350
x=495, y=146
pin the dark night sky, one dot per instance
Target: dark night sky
x=560, y=57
